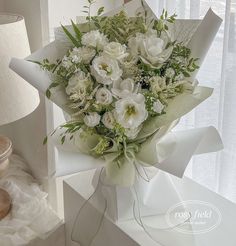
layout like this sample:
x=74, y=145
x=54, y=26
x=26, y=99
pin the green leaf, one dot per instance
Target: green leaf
x=77, y=32
x=36, y=62
x=71, y=37
x=48, y=93
x=53, y=85
x=63, y=139
x=100, y=11
x=45, y=140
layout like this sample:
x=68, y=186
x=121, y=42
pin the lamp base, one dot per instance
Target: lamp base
x=5, y=203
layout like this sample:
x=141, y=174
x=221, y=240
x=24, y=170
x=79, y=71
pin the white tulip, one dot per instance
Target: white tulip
x=130, y=112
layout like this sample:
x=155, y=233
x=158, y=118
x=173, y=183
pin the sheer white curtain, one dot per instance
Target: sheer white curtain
x=216, y=171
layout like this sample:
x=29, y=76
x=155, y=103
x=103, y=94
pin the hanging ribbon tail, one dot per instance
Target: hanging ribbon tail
x=158, y=228
x=151, y=211
x=174, y=151
x=85, y=231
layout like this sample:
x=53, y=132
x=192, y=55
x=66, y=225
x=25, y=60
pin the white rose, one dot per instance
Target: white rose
x=104, y=96
x=134, y=44
x=133, y=133
x=78, y=85
x=158, y=107
x=106, y=70
x=115, y=50
x=92, y=119
x=86, y=54
x=123, y=88
x=151, y=48
x=94, y=39
x=108, y=120
x=157, y=84
x=130, y=112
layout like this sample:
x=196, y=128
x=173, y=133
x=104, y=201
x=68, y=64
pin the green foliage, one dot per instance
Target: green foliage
x=161, y=24
x=181, y=61
x=150, y=99
x=102, y=146
x=74, y=40
x=45, y=140
x=48, y=93
x=47, y=65
x=119, y=27
x=100, y=11
x=77, y=32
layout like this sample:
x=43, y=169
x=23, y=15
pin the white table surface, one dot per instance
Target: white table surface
x=223, y=235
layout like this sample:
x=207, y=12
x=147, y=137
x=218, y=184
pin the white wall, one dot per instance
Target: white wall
x=31, y=10
x=2, y=7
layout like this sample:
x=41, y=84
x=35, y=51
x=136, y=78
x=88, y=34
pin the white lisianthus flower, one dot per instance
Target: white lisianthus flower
x=133, y=133
x=151, y=48
x=106, y=70
x=158, y=107
x=78, y=85
x=123, y=88
x=104, y=96
x=92, y=119
x=108, y=120
x=130, y=112
x=94, y=39
x=86, y=54
x=157, y=84
x=115, y=50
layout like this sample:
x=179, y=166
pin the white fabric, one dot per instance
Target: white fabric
x=216, y=171
x=30, y=216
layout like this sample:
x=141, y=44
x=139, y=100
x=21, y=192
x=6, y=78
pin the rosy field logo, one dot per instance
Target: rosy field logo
x=193, y=217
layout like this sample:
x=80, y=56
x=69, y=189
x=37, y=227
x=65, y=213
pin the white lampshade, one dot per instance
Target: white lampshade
x=17, y=97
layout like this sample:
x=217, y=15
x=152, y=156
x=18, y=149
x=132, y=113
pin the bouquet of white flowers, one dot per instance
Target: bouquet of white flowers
x=125, y=83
